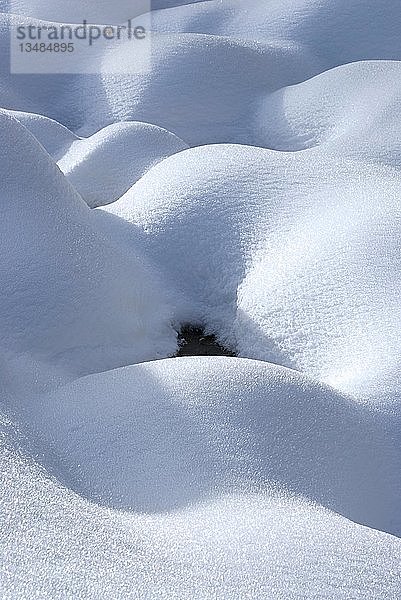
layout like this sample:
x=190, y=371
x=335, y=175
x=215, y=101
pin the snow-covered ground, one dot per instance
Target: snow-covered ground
x=248, y=183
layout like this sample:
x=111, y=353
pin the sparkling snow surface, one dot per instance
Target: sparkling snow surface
x=249, y=184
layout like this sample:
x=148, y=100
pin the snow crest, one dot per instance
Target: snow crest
x=248, y=184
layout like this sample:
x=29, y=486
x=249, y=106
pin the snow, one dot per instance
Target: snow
x=247, y=183
x=253, y=424
x=102, y=167
x=69, y=297
x=213, y=516
x=281, y=233
x=54, y=137
x=361, y=120
x=334, y=31
x=76, y=10
x=105, y=165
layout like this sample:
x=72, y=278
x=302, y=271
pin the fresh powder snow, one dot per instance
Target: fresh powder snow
x=244, y=184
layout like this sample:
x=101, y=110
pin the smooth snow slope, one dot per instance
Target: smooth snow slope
x=53, y=136
x=69, y=297
x=276, y=270
x=361, y=120
x=211, y=81
x=334, y=31
x=253, y=425
x=176, y=428
x=214, y=58
x=105, y=165
x=252, y=183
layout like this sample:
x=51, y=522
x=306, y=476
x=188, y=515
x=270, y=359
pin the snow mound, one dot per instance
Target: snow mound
x=212, y=82
x=69, y=296
x=54, y=137
x=210, y=62
x=267, y=248
x=360, y=119
x=104, y=166
x=203, y=478
x=334, y=31
x=244, y=543
x=154, y=437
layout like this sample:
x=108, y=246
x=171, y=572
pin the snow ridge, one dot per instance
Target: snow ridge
x=249, y=183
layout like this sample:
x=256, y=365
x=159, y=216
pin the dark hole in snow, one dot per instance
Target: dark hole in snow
x=193, y=342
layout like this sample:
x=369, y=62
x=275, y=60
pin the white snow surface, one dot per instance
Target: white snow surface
x=276, y=269
x=102, y=167
x=70, y=297
x=210, y=514
x=248, y=183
